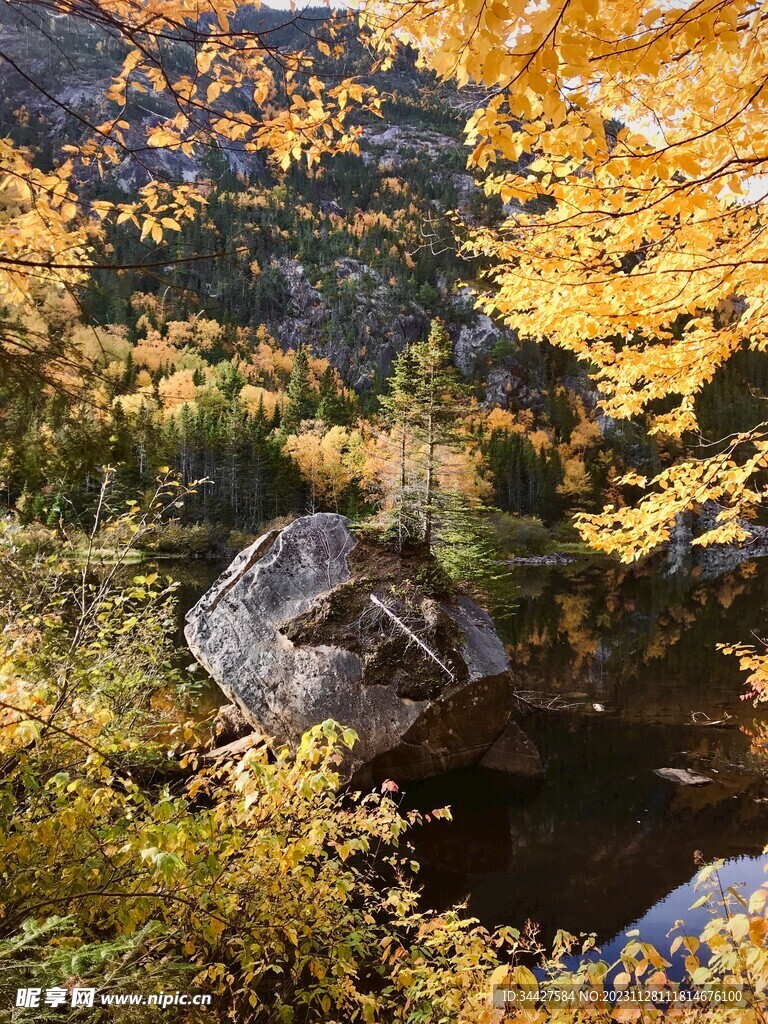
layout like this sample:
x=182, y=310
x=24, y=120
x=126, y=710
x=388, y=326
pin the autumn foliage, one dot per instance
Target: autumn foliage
x=627, y=141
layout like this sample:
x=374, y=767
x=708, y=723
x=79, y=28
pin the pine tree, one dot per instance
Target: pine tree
x=423, y=407
x=300, y=398
x=439, y=397
x=331, y=407
x=398, y=405
x=129, y=374
x=469, y=552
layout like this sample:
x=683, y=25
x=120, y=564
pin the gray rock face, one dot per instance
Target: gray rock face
x=291, y=635
x=507, y=386
x=378, y=326
x=475, y=343
x=678, y=554
x=394, y=146
x=711, y=560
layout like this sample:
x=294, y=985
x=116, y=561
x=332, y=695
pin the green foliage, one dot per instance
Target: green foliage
x=259, y=878
x=331, y=406
x=173, y=538
x=51, y=952
x=424, y=409
x=128, y=863
x=301, y=402
x=432, y=578
x=522, y=535
x=524, y=481
x=468, y=550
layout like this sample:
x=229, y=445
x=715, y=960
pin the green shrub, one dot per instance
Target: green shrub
x=175, y=538
x=521, y=535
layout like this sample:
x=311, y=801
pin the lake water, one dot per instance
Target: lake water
x=602, y=842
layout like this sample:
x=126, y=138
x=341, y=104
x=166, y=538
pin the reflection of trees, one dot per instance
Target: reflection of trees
x=575, y=626
x=614, y=836
x=758, y=743
x=606, y=626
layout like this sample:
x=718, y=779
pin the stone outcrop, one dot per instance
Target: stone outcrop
x=310, y=623
x=474, y=344
x=556, y=558
x=230, y=724
x=377, y=327
x=391, y=148
x=710, y=561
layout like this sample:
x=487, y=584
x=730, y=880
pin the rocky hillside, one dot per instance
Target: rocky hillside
x=352, y=260
x=384, y=268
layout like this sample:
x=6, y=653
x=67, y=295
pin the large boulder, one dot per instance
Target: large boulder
x=310, y=623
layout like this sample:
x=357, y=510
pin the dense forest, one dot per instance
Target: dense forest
x=193, y=365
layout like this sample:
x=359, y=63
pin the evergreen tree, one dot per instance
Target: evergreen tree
x=300, y=398
x=129, y=374
x=398, y=406
x=424, y=407
x=231, y=381
x=331, y=407
x=468, y=551
x=438, y=400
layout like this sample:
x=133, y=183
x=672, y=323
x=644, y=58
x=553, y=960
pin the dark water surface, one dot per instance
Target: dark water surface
x=602, y=842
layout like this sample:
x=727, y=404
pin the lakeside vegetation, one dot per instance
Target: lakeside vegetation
x=129, y=861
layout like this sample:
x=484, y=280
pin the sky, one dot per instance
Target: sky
x=285, y=5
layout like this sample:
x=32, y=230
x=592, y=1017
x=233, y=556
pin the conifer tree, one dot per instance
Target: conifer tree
x=129, y=374
x=438, y=398
x=423, y=407
x=300, y=398
x=398, y=407
x=331, y=407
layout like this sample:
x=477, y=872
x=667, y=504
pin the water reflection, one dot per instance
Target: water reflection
x=635, y=640
x=602, y=838
x=745, y=874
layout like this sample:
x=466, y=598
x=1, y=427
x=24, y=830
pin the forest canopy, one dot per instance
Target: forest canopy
x=626, y=140
x=629, y=140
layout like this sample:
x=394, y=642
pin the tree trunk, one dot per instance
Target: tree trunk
x=401, y=502
x=430, y=483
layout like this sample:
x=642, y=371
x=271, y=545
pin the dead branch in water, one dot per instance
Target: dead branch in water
x=546, y=701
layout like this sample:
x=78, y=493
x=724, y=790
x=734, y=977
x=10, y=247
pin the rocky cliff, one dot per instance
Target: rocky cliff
x=310, y=623
x=682, y=555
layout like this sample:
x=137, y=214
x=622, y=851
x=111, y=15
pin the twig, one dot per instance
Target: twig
x=546, y=701
x=412, y=636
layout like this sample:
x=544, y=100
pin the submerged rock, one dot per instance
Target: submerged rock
x=683, y=777
x=309, y=624
x=230, y=724
x=514, y=753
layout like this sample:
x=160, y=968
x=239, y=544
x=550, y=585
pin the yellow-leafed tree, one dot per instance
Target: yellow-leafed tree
x=629, y=141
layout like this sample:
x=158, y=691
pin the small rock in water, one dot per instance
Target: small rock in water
x=598, y=707
x=683, y=776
